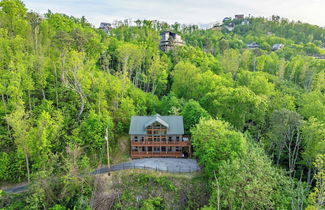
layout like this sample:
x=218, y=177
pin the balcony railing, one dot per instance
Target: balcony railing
x=161, y=143
x=135, y=154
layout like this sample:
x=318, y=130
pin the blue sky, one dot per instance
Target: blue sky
x=182, y=11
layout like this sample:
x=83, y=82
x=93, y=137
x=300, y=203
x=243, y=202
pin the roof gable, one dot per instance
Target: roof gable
x=156, y=119
x=139, y=123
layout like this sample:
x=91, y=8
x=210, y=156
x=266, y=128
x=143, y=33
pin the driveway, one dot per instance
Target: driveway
x=171, y=165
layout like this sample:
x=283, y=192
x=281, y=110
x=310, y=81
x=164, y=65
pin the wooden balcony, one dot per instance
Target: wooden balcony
x=135, y=154
x=161, y=143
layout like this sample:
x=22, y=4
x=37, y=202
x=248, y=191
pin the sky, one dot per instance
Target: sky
x=182, y=11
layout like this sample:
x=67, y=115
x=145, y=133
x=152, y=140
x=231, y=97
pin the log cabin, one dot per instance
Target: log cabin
x=158, y=136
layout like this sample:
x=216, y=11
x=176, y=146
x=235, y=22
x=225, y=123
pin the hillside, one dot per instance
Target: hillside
x=256, y=115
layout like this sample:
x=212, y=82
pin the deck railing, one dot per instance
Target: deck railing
x=136, y=154
x=161, y=143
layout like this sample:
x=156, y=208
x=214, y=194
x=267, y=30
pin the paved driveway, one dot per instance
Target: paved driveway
x=172, y=165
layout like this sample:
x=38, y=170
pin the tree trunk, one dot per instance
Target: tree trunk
x=309, y=181
x=43, y=93
x=56, y=87
x=27, y=166
x=82, y=107
x=63, y=63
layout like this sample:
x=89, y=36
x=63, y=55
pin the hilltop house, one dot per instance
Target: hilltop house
x=158, y=136
x=253, y=45
x=239, y=16
x=106, y=27
x=168, y=40
x=277, y=47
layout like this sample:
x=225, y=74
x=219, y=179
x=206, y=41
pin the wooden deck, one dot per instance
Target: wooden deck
x=162, y=143
x=155, y=154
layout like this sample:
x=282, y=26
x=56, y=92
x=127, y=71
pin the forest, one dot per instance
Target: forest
x=256, y=116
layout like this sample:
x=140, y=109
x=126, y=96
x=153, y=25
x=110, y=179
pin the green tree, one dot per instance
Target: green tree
x=214, y=141
x=19, y=121
x=231, y=61
x=317, y=197
x=192, y=113
x=251, y=182
x=285, y=136
x=313, y=133
x=184, y=78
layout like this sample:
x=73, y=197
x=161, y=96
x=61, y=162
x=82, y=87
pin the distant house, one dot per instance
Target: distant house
x=230, y=26
x=226, y=19
x=158, y=136
x=253, y=45
x=168, y=40
x=277, y=47
x=239, y=16
x=106, y=27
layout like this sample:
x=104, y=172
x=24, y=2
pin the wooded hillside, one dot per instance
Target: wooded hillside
x=256, y=116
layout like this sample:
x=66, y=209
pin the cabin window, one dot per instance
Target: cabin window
x=163, y=149
x=136, y=139
x=134, y=149
x=170, y=149
x=177, y=138
x=169, y=138
x=143, y=149
x=156, y=149
x=149, y=149
x=178, y=149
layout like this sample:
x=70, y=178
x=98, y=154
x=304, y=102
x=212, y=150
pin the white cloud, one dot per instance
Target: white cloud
x=184, y=11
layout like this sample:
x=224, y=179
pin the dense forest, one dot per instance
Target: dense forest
x=256, y=116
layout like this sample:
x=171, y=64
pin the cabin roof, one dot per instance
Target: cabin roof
x=174, y=124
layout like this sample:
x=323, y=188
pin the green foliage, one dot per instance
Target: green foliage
x=251, y=182
x=4, y=166
x=93, y=129
x=316, y=198
x=150, y=190
x=152, y=204
x=63, y=83
x=214, y=142
x=192, y=113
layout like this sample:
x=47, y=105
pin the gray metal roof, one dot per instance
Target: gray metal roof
x=139, y=124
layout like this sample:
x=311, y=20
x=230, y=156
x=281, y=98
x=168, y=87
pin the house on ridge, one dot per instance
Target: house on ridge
x=158, y=136
x=168, y=41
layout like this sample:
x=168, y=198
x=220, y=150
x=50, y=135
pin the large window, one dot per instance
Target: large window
x=156, y=129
